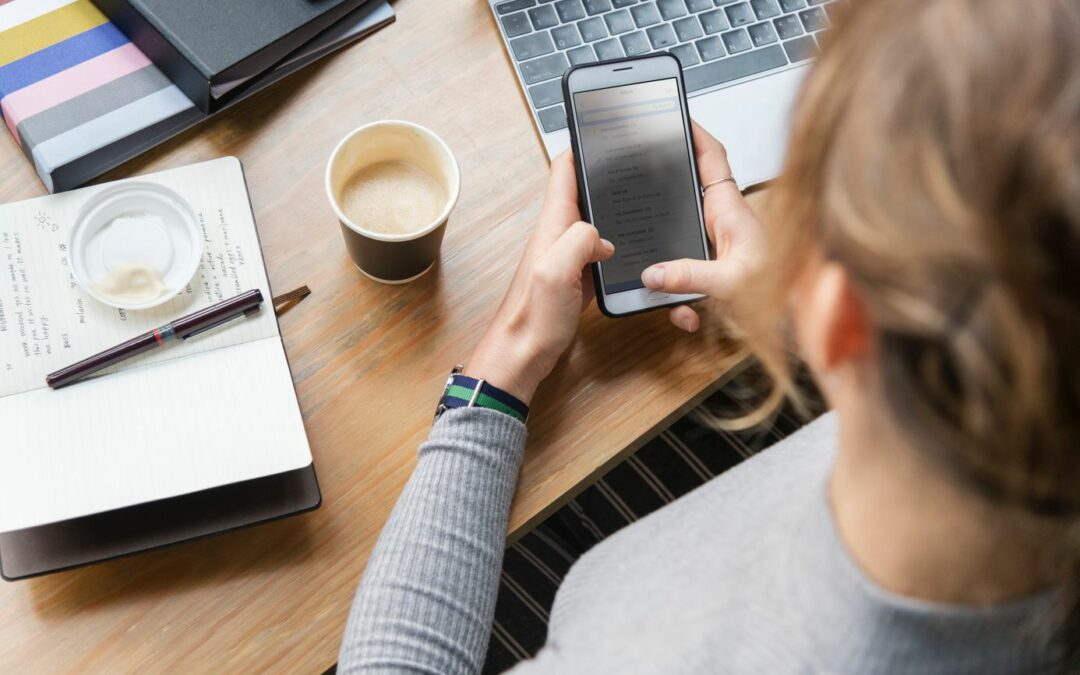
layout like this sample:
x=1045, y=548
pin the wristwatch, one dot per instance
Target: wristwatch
x=463, y=391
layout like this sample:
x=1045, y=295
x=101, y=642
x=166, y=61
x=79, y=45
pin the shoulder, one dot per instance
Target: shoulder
x=775, y=481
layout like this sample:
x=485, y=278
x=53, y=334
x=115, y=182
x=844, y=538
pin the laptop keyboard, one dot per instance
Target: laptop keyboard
x=717, y=41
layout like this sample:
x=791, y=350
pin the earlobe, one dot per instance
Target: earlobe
x=833, y=325
x=847, y=335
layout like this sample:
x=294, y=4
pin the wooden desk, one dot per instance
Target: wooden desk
x=369, y=361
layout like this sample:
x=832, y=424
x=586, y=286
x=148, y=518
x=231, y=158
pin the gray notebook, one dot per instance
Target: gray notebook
x=212, y=49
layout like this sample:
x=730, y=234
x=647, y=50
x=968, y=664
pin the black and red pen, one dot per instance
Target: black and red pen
x=182, y=328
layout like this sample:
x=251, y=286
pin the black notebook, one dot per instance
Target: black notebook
x=206, y=414
x=213, y=50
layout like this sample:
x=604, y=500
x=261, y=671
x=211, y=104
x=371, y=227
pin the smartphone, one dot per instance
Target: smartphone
x=637, y=178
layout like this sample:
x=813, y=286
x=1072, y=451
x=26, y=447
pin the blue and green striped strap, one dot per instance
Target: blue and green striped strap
x=462, y=392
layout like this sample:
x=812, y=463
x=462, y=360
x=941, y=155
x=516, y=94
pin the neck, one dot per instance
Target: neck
x=913, y=529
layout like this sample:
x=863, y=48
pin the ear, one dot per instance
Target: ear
x=832, y=324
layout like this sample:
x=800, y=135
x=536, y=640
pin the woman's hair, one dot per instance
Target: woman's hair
x=935, y=156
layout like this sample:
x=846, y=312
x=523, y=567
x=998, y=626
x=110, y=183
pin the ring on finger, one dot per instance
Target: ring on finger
x=729, y=179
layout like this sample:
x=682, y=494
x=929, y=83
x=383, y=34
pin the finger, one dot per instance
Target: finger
x=588, y=288
x=711, y=155
x=685, y=318
x=687, y=276
x=576, y=248
x=561, y=199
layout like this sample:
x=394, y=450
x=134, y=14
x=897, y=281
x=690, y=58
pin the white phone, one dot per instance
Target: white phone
x=637, y=179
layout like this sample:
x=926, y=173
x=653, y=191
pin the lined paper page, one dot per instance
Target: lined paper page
x=213, y=410
x=189, y=424
x=47, y=322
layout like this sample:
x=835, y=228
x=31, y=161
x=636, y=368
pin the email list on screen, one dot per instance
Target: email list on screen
x=639, y=179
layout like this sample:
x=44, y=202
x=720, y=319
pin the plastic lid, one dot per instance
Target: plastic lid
x=135, y=245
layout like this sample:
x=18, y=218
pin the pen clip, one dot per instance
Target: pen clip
x=217, y=323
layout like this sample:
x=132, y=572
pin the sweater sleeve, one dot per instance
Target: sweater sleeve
x=426, y=601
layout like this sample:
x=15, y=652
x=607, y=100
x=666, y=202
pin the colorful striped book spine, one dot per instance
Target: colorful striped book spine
x=71, y=86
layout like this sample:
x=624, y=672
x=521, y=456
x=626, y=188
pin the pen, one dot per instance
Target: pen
x=182, y=328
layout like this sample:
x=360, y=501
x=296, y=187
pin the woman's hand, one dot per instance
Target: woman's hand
x=736, y=235
x=539, y=315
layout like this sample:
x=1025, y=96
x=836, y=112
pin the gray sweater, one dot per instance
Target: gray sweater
x=746, y=574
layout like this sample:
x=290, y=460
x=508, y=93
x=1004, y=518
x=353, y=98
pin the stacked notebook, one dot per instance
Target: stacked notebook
x=80, y=97
x=193, y=438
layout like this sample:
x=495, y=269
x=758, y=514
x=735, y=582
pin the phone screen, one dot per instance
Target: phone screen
x=639, y=178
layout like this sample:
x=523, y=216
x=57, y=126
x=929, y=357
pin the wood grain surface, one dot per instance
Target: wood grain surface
x=369, y=362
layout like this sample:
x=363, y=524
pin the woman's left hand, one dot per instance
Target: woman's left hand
x=539, y=314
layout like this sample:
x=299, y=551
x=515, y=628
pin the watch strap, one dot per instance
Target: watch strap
x=463, y=391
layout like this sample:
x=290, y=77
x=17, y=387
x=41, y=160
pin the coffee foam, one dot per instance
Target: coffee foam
x=392, y=197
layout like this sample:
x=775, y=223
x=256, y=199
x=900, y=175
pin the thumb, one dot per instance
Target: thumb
x=578, y=246
x=687, y=276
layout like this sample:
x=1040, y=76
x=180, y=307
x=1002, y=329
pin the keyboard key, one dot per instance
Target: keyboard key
x=739, y=15
x=788, y=26
x=662, y=36
x=516, y=24
x=695, y=6
x=687, y=29
x=813, y=19
x=581, y=55
x=531, y=46
x=619, y=22
x=816, y=2
x=714, y=21
x=609, y=49
x=569, y=10
x=765, y=9
x=514, y=6
x=593, y=7
x=622, y=3
x=792, y=5
x=635, y=43
x=645, y=15
x=710, y=48
x=671, y=9
x=686, y=54
x=544, y=68
x=552, y=119
x=546, y=93
x=543, y=17
x=734, y=67
x=737, y=41
x=593, y=29
x=565, y=37
x=761, y=34
x=801, y=49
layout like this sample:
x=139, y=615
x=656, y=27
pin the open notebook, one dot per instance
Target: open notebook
x=214, y=410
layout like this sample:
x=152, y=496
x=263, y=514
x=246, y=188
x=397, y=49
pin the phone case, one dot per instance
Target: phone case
x=579, y=170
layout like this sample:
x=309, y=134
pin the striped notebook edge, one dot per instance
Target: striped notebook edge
x=71, y=84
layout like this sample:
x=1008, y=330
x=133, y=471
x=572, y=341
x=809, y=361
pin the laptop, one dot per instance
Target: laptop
x=743, y=61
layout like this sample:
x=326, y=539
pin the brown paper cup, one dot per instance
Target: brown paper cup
x=393, y=258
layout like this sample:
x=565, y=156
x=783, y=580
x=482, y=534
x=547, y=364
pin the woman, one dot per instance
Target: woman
x=923, y=243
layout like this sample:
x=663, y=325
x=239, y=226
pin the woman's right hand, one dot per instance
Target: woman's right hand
x=736, y=234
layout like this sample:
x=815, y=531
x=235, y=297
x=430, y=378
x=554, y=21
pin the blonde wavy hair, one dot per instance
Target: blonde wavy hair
x=935, y=155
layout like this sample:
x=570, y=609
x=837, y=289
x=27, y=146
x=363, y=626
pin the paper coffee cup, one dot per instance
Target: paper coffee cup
x=393, y=258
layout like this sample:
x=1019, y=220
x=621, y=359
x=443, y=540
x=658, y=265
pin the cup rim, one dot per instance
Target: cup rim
x=451, y=201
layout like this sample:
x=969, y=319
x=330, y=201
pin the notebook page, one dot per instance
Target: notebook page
x=188, y=424
x=48, y=322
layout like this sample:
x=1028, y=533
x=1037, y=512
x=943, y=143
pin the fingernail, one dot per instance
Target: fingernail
x=608, y=246
x=653, y=277
x=688, y=326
